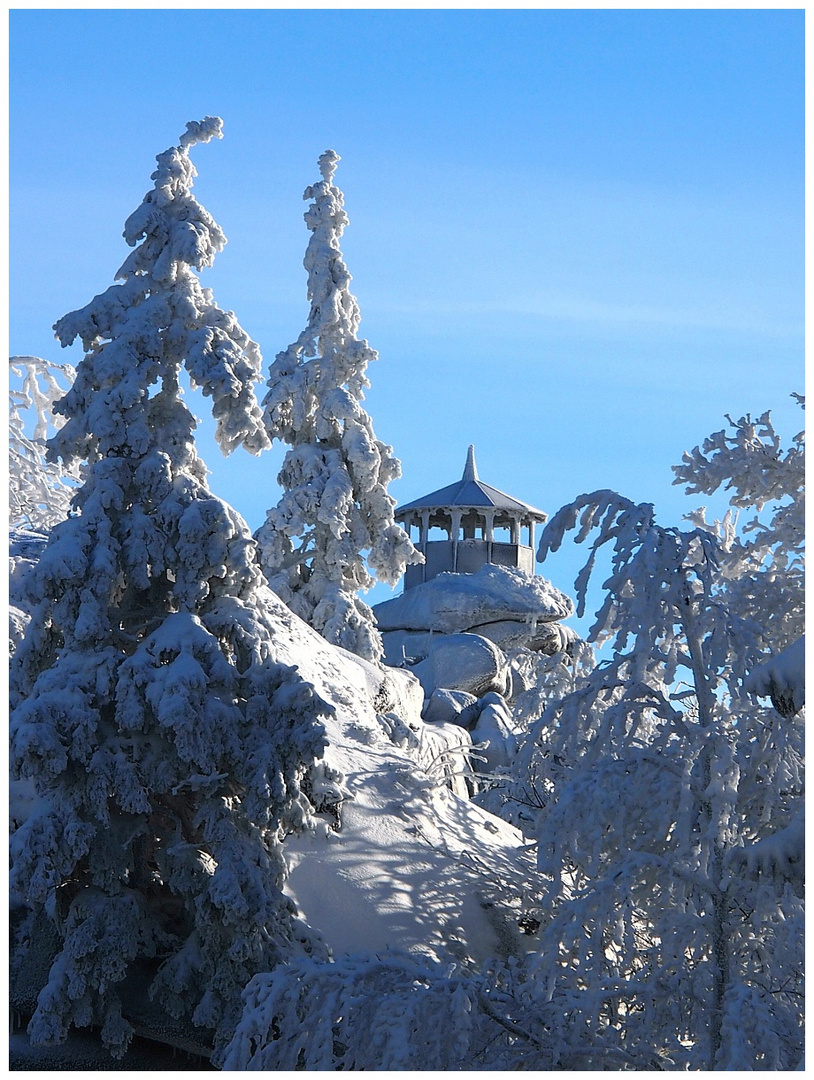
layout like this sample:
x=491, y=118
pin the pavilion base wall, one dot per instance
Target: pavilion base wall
x=467, y=557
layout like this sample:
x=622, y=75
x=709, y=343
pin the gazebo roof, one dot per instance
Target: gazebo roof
x=470, y=493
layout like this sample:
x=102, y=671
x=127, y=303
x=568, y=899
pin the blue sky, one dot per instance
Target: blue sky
x=576, y=236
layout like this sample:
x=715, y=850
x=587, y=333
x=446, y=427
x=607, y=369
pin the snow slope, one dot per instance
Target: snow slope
x=413, y=865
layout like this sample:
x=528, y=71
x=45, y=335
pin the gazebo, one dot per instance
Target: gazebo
x=482, y=525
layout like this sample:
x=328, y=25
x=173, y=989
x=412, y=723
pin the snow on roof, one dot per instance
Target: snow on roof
x=470, y=491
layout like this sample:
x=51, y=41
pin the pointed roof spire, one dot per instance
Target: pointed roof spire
x=470, y=469
x=470, y=492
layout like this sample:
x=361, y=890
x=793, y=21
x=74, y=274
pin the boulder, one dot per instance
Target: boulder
x=390, y=689
x=444, y=755
x=492, y=734
x=463, y=662
x=446, y=706
x=406, y=647
x=548, y=638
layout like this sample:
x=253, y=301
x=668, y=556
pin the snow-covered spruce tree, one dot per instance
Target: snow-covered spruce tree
x=168, y=746
x=39, y=491
x=652, y=774
x=332, y=533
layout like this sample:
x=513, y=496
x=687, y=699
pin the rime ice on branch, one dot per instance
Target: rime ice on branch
x=658, y=777
x=766, y=575
x=39, y=492
x=335, y=504
x=168, y=747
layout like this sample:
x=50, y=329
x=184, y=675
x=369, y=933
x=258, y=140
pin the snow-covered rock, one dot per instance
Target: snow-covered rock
x=548, y=638
x=446, y=706
x=406, y=646
x=487, y=721
x=409, y=646
x=493, y=733
x=395, y=690
x=783, y=679
x=455, y=603
x=463, y=662
x=444, y=753
x=507, y=608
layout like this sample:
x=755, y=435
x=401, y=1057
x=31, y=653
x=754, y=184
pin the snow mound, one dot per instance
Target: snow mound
x=455, y=603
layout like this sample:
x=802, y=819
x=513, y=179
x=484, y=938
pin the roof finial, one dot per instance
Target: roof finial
x=471, y=469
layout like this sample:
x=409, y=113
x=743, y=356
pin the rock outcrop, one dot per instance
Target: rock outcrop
x=456, y=603
x=456, y=631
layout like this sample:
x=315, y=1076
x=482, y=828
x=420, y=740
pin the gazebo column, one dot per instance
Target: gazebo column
x=454, y=535
x=515, y=529
x=489, y=520
x=489, y=531
x=424, y=526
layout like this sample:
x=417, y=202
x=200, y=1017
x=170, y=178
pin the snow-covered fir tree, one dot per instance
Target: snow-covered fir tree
x=332, y=533
x=40, y=491
x=658, y=773
x=169, y=750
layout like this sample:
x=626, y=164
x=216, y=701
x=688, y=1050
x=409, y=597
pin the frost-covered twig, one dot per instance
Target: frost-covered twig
x=40, y=491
